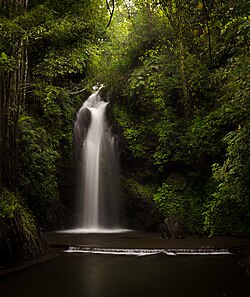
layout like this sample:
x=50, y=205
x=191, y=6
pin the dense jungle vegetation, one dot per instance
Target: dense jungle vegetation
x=176, y=74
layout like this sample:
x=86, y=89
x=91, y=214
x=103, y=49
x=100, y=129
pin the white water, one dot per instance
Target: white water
x=97, y=199
x=147, y=252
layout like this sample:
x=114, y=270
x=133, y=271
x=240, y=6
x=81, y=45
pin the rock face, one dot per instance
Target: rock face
x=20, y=239
x=172, y=228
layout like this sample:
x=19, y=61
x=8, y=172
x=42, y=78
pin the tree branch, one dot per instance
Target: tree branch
x=77, y=92
x=111, y=11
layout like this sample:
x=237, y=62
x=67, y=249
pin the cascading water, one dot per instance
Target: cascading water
x=97, y=157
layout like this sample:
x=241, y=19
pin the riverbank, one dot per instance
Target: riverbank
x=28, y=263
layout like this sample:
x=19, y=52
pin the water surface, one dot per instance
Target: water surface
x=129, y=276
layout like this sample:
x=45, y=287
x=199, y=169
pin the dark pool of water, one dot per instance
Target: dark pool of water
x=129, y=276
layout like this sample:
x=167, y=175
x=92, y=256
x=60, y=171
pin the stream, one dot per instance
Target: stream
x=133, y=264
x=92, y=275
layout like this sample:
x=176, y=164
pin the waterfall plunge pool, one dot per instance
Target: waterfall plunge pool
x=92, y=275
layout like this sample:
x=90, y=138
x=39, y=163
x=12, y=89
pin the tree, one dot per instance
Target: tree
x=13, y=80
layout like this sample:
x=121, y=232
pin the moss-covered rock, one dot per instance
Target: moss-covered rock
x=20, y=238
x=140, y=209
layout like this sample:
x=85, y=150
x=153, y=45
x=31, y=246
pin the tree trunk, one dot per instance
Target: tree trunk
x=12, y=86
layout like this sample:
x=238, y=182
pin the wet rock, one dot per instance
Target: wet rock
x=85, y=117
x=172, y=228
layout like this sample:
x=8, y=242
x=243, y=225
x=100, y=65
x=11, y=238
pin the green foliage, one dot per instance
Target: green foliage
x=8, y=204
x=177, y=198
x=141, y=191
x=170, y=198
x=12, y=208
x=140, y=209
x=229, y=211
x=7, y=63
x=37, y=169
x=179, y=84
x=56, y=111
x=132, y=132
x=204, y=136
x=19, y=234
x=63, y=62
x=168, y=131
x=64, y=47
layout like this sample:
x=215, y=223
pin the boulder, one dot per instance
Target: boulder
x=172, y=228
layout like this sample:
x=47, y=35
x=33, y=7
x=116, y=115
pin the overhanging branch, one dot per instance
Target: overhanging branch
x=111, y=9
x=76, y=92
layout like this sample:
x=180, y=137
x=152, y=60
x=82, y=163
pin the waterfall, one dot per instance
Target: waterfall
x=97, y=173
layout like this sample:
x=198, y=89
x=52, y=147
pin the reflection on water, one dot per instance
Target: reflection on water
x=128, y=276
